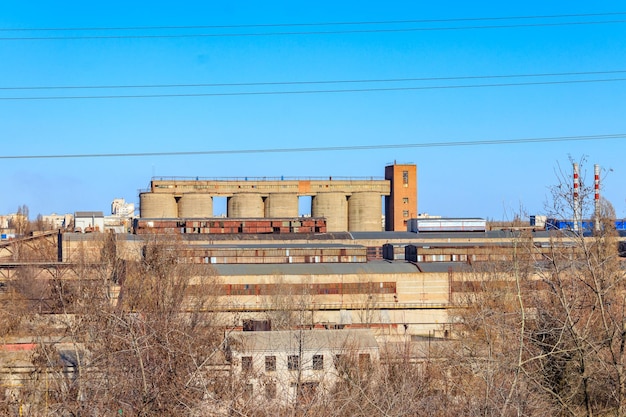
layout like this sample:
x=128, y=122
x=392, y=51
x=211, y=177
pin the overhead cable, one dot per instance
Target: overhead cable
x=276, y=83
x=341, y=23
x=331, y=148
x=318, y=32
x=352, y=90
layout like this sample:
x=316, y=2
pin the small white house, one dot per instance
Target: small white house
x=286, y=365
x=88, y=221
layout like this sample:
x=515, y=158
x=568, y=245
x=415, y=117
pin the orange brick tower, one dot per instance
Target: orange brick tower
x=401, y=204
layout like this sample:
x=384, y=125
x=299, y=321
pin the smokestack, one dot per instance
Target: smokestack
x=576, y=197
x=596, y=196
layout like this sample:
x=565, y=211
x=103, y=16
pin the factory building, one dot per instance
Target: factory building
x=285, y=365
x=346, y=204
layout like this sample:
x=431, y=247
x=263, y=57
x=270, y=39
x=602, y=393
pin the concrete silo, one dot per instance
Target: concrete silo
x=244, y=205
x=281, y=205
x=195, y=205
x=152, y=205
x=333, y=206
x=364, y=212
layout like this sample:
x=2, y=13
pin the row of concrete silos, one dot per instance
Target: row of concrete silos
x=360, y=211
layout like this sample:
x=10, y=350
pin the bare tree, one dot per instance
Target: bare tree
x=20, y=221
x=545, y=332
x=580, y=313
x=147, y=352
x=290, y=304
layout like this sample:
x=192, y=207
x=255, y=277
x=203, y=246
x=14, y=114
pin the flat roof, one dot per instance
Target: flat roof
x=447, y=218
x=492, y=234
x=264, y=237
x=434, y=267
x=307, y=340
x=372, y=267
x=286, y=245
x=88, y=214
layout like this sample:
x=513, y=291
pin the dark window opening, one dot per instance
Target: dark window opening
x=246, y=363
x=293, y=362
x=270, y=390
x=318, y=362
x=248, y=391
x=270, y=363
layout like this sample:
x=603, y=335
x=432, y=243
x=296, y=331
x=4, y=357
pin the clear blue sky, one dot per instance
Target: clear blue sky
x=491, y=181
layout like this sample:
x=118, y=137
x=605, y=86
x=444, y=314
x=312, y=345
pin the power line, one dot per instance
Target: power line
x=330, y=148
x=276, y=83
x=330, y=32
x=353, y=90
x=265, y=25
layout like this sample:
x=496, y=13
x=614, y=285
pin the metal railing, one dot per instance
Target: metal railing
x=280, y=178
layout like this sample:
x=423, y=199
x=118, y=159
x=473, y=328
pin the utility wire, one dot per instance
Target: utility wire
x=354, y=90
x=330, y=32
x=331, y=148
x=265, y=25
x=275, y=83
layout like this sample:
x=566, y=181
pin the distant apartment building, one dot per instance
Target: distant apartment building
x=57, y=221
x=13, y=224
x=5, y=231
x=119, y=207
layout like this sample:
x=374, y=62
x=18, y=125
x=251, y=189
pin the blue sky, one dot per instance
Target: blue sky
x=491, y=181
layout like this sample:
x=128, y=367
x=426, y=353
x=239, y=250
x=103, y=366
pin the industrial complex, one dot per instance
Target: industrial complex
x=346, y=204
x=340, y=268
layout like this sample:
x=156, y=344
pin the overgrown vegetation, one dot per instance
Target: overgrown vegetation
x=543, y=334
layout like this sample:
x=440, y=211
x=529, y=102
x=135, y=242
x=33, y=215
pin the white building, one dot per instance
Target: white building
x=119, y=207
x=57, y=221
x=285, y=365
x=89, y=221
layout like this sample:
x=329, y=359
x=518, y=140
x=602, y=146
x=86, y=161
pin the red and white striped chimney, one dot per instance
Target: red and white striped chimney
x=576, y=197
x=596, y=196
